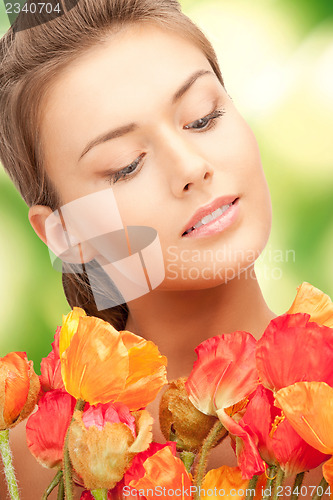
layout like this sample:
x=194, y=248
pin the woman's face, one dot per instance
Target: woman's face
x=189, y=153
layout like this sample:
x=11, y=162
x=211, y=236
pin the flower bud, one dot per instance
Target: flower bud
x=19, y=389
x=104, y=439
x=180, y=420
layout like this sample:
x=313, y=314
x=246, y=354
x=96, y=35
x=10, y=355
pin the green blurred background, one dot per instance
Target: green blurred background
x=277, y=62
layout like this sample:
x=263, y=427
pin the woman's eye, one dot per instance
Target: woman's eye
x=205, y=123
x=126, y=171
x=209, y=120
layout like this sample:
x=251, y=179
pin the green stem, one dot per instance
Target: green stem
x=187, y=457
x=271, y=476
x=297, y=484
x=68, y=481
x=208, y=443
x=251, y=488
x=6, y=455
x=61, y=489
x=278, y=482
x=323, y=483
x=52, y=485
x=100, y=494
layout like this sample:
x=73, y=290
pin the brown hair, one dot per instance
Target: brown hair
x=30, y=60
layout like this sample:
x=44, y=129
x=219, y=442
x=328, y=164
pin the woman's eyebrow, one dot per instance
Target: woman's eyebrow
x=126, y=129
x=189, y=82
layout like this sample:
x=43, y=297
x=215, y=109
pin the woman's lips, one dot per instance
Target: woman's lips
x=214, y=221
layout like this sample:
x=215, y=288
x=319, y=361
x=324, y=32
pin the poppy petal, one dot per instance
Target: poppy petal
x=224, y=372
x=249, y=460
x=164, y=473
x=328, y=471
x=227, y=482
x=293, y=453
x=70, y=323
x=309, y=408
x=95, y=365
x=47, y=427
x=278, y=352
x=144, y=436
x=313, y=301
x=147, y=372
x=14, y=377
x=258, y=417
x=50, y=367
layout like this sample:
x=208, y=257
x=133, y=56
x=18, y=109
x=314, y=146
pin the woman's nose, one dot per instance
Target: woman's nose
x=186, y=168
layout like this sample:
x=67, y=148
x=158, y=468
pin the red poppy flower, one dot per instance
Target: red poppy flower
x=294, y=349
x=275, y=438
x=50, y=367
x=46, y=428
x=224, y=374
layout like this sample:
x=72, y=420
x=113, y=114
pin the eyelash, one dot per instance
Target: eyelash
x=211, y=121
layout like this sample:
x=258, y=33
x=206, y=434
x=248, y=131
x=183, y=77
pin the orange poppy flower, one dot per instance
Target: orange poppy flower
x=227, y=482
x=19, y=389
x=313, y=301
x=165, y=476
x=70, y=322
x=309, y=408
x=100, y=364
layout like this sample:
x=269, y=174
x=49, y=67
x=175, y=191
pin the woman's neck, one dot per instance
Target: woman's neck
x=177, y=321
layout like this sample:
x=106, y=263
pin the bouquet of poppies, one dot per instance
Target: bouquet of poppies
x=273, y=397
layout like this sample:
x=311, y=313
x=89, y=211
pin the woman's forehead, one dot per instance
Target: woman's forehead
x=133, y=74
x=134, y=61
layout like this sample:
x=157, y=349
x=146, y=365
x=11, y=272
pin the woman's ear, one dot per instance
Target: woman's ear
x=49, y=226
x=37, y=217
